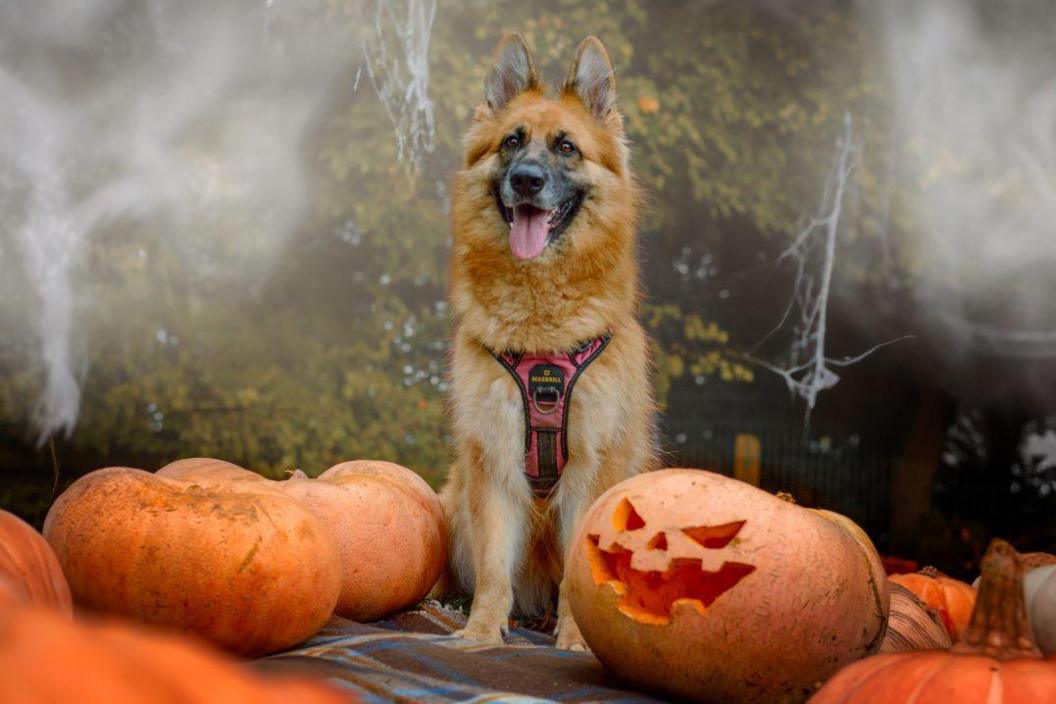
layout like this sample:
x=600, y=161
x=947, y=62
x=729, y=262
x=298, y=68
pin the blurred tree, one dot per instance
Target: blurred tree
x=338, y=351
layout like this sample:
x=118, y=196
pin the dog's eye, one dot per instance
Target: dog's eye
x=512, y=142
x=566, y=147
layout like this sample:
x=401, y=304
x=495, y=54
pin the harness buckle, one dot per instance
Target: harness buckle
x=546, y=399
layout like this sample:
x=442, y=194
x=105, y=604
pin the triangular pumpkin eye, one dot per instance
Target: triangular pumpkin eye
x=626, y=517
x=657, y=542
x=714, y=537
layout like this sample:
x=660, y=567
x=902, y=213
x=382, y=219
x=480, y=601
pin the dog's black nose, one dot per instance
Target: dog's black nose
x=528, y=179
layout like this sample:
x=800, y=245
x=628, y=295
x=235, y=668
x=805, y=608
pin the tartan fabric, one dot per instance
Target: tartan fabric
x=413, y=658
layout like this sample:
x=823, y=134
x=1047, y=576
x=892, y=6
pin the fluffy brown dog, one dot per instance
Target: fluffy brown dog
x=544, y=262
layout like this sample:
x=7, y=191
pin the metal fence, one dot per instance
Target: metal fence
x=842, y=462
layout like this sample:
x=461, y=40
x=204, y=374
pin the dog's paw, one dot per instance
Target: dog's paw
x=568, y=636
x=577, y=645
x=482, y=632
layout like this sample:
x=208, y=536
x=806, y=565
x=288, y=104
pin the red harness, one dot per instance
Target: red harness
x=546, y=383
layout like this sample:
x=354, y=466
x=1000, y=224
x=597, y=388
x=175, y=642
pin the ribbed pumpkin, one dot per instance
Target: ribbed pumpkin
x=995, y=662
x=952, y=598
x=28, y=567
x=46, y=658
x=706, y=588
x=911, y=625
x=387, y=522
x=252, y=572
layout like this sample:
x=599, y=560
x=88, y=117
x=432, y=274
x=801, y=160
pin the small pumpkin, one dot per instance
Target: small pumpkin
x=29, y=570
x=912, y=625
x=703, y=587
x=252, y=572
x=952, y=598
x=46, y=658
x=996, y=659
x=1039, y=587
x=387, y=522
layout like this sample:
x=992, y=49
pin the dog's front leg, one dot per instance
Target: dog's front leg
x=577, y=494
x=498, y=516
x=567, y=632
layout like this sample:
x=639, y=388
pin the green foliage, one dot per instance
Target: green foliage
x=339, y=351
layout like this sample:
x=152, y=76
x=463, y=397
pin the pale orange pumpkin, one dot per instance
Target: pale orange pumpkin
x=995, y=662
x=252, y=572
x=387, y=522
x=46, y=658
x=952, y=598
x=706, y=588
x=28, y=568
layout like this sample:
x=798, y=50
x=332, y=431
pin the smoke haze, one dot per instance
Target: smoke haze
x=187, y=118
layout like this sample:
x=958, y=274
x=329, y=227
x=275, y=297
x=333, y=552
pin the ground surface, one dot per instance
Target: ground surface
x=413, y=658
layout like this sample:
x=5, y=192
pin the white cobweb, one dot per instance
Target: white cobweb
x=807, y=369
x=396, y=54
x=187, y=118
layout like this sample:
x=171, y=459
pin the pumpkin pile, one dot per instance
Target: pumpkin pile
x=704, y=587
x=108, y=661
x=996, y=659
x=255, y=566
x=386, y=521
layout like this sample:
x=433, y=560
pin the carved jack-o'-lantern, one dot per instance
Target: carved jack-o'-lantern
x=707, y=588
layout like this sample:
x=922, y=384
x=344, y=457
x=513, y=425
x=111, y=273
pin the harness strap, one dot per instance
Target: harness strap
x=546, y=382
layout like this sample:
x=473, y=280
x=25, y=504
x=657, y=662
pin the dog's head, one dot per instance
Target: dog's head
x=548, y=164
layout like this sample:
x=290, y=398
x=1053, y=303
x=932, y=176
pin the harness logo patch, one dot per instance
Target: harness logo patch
x=546, y=386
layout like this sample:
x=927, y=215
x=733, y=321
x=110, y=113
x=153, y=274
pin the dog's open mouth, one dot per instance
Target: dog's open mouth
x=531, y=228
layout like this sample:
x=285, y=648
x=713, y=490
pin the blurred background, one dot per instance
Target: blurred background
x=224, y=232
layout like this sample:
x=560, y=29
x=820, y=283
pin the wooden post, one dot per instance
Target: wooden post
x=914, y=473
x=746, y=458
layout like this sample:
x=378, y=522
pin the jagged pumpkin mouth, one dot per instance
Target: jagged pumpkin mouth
x=648, y=596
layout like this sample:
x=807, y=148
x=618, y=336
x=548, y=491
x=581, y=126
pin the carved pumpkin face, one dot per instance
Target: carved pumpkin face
x=654, y=568
x=687, y=581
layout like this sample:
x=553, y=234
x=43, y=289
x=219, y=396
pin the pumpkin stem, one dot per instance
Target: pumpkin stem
x=932, y=572
x=999, y=626
x=785, y=496
x=297, y=474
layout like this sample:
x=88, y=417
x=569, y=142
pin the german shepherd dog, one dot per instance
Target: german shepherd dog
x=544, y=265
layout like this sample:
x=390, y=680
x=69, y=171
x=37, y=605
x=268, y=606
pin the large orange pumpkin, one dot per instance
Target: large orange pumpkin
x=995, y=662
x=706, y=588
x=253, y=572
x=952, y=598
x=45, y=658
x=387, y=522
x=28, y=568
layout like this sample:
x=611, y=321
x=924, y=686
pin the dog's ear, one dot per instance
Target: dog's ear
x=591, y=78
x=513, y=73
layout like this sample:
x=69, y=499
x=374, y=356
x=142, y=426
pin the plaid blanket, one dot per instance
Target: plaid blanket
x=413, y=658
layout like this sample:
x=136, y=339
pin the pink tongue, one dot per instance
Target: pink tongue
x=529, y=232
